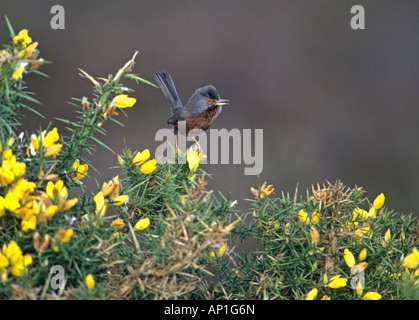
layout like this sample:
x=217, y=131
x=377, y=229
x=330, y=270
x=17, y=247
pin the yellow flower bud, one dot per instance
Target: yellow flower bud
x=372, y=296
x=359, y=288
x=349, y=258
x=123, y=101
x=4, y=262
x=51, y=137
x=315, y=236
x=120, y=200
x=379, y=201
x=387, y=237
x=142, y=224
x=312, y=294
x=359, y=213
x=193, y=160
x=90, y=282
x=372, y=213
x=120, y=160
x=337, y=282
x=222, y=250
x=18, y=72
x=101, y=204
x=363, y=254
x=118, y=224
x=316, y=216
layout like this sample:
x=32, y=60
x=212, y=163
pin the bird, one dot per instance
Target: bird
x=202, y=108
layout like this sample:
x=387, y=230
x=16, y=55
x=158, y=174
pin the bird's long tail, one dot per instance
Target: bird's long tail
x=168, y=87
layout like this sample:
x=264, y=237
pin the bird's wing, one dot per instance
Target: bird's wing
x=168, y=87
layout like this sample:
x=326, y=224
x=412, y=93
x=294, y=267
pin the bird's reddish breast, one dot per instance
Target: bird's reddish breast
x=202, y=121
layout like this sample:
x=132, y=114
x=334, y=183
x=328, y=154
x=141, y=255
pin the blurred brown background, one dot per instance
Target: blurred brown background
x=333, y=102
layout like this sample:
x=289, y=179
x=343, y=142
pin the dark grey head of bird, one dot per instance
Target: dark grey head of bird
x=204, y=98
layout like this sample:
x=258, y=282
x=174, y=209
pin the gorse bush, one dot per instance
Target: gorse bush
x=154, y=232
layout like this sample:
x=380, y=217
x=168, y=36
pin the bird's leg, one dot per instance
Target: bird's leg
x=197, y=143
x=176, y=145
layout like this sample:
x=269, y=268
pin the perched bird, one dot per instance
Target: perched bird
x=202, y=108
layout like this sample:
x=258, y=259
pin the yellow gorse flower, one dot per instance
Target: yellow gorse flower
x=265, y=190
x=54, y=199
x=337, y=282
x=304, y=217
x=116, y=236
x=28, y=51
x=111, y=188
x=372, y=213
x=48, y=141
x=19, y=197
x=29, y=223
x=56, y=192
x=4, y=262
x=16, y=262
x=22, y=37
x=109, y=194
x=18, y=71
x=193, y=159
x=101, y=204
x=118, y=224
x=123, y=101
x=316, y=216
x=64, y=234
x=364, y=231
x=11, y=170
x=220, y=252
x=149, y=166
x=120, y=200
x=141, y=157
x=412, y=259
x=81, y=169
x=359, y=213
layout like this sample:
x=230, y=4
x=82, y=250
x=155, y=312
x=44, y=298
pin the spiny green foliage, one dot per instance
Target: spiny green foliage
x=293, y=262
x=47, y=218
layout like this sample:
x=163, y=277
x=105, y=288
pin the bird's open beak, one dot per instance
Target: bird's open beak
x=221, y=102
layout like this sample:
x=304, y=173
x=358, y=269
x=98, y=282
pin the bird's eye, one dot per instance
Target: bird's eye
x=209, y=100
